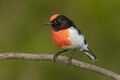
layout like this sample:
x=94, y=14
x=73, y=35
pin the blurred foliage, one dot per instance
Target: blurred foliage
x=22, y=29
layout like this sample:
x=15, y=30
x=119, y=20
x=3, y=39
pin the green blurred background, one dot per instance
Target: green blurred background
x=22, y=29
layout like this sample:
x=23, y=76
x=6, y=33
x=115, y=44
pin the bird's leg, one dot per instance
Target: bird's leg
x=70, y=58
x=58, y=53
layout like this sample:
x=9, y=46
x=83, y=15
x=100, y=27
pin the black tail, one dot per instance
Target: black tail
x=90, y=54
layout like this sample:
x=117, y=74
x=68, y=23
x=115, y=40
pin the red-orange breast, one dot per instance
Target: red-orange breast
x=61, y=38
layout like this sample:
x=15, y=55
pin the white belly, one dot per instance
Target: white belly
x=76, y=39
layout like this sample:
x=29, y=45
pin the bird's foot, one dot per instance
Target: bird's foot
x=69, y=61
x=55, y=57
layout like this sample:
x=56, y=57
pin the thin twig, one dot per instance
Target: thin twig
x=63, y=59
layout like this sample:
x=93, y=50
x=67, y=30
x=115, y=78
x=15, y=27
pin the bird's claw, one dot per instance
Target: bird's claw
x=55, y=57
x=69, y=60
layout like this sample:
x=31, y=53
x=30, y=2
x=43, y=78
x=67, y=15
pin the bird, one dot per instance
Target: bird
x=68, y=36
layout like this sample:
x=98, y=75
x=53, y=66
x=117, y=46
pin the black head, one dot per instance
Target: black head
x=59, y=22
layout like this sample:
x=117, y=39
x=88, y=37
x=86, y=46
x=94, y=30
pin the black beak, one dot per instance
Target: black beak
x=49, y=23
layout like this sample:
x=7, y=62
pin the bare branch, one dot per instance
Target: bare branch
x=63, y=59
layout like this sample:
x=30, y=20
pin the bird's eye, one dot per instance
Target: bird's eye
x=55, y=22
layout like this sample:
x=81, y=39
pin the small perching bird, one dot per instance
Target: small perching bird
x=67, y=36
